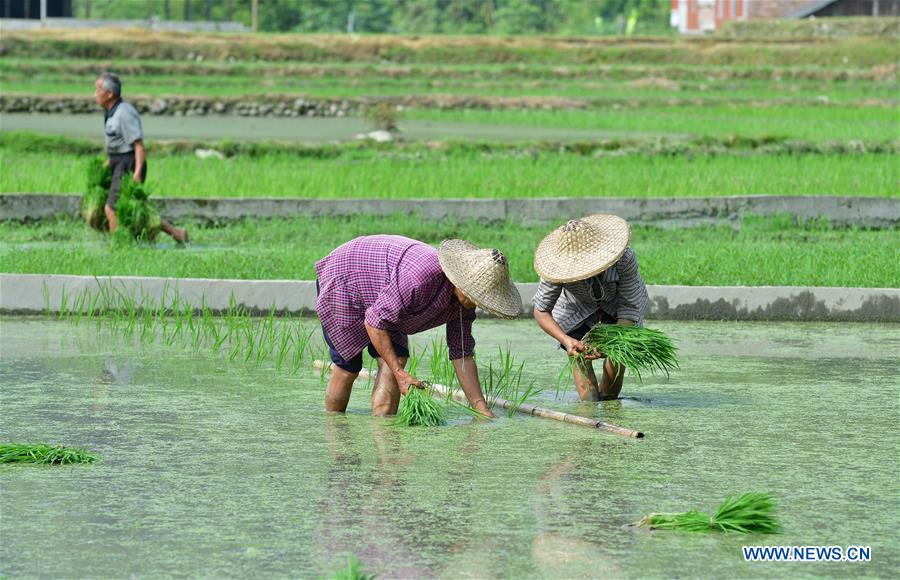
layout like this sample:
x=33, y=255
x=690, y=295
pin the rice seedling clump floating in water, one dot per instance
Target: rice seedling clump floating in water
x=749, y=513
x=44, y=454
x=353, y=571
x=419, y=408
x=635, y=347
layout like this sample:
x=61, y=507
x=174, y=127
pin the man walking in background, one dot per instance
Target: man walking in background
x=125, y=146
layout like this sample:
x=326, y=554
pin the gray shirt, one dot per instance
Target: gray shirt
x=619, y=291
x=122, y=128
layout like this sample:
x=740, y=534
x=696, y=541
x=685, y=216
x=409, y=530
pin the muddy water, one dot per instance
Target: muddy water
x=211, y=468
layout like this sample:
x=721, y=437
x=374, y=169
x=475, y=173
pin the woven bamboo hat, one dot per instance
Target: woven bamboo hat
x=582, y=248
x=482, y=275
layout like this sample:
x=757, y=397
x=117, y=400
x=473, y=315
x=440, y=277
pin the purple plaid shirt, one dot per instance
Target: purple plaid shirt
x=393, y=283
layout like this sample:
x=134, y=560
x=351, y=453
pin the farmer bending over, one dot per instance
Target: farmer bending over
x=589, y=274
x=124, y=145
x=374, y=291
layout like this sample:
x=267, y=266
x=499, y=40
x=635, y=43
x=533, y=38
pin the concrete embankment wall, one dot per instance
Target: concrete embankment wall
x=867, y=212
x=40, y=293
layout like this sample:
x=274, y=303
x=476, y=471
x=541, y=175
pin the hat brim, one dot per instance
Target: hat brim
x=503, y=301
x=559, y=267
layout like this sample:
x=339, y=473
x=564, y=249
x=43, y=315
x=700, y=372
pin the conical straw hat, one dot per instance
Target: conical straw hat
x=582, y=248
x=482, y=275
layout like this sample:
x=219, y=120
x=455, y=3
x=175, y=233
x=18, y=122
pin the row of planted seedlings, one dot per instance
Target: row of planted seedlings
x=234, y=333
x=256, y=340
x=501, y=379
x=286, y=342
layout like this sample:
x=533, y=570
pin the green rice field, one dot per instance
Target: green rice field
x=787, y=121
x=197, y=444
x=375, y=174
x=760, y=252
x=165, y=78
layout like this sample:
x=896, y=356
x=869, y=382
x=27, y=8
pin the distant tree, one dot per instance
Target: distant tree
x=521, y=17
x=404, y=16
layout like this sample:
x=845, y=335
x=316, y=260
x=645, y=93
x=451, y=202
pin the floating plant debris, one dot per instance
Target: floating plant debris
x=44, y=454
x=353, y=571
x=749, y=513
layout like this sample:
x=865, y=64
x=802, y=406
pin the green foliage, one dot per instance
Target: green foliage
x=465, y=172
x=98, y=172
x=353, y=571
x=133, y=210
x=419, y=408
x=383, y=116
x=114, y=45
x=93, y=205
x=135, y=213
x=502, y=379
x=27, y=142
x=747, y=514
x=398, y=16
x=634, y=347
x=44, y=454
x=796, y=254
x=234, y=333
x=93, y=202
x=699, y=148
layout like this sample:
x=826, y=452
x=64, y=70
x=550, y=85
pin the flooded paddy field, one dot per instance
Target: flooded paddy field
x=309, y=130
x=214, y=468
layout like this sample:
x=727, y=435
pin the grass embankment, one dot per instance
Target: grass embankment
x=791, y=122
x=616, y=83
x=761, y=252
x=617, y=169
x=144, y=44
x=479, y=176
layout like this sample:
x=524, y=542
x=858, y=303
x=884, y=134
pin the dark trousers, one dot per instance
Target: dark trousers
x=121, y=163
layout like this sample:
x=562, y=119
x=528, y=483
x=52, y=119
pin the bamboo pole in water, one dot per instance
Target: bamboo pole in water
x=529, y=409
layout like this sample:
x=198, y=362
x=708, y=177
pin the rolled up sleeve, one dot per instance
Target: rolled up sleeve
x=460, y=341
x=546, y=296
x=633, y=297
x=387, y=310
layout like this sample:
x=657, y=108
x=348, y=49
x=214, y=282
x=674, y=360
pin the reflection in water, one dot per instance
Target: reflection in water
x=217, y=469
x=554, y=548
x=355, y=513
x=114, y=372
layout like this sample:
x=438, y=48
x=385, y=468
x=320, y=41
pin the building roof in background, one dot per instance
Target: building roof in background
x=811, y=9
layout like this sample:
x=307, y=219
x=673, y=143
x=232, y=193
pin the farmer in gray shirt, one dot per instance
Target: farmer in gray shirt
x=124, y=145
x=589, y=275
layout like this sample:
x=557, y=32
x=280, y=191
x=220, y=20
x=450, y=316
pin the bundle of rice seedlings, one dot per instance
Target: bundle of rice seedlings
x=135, y=212
x=419, y=408
x=99, y=177
x=749, y=513
x=635, y=347
x=99, y=173
x=353, y=571
x=44, y=454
